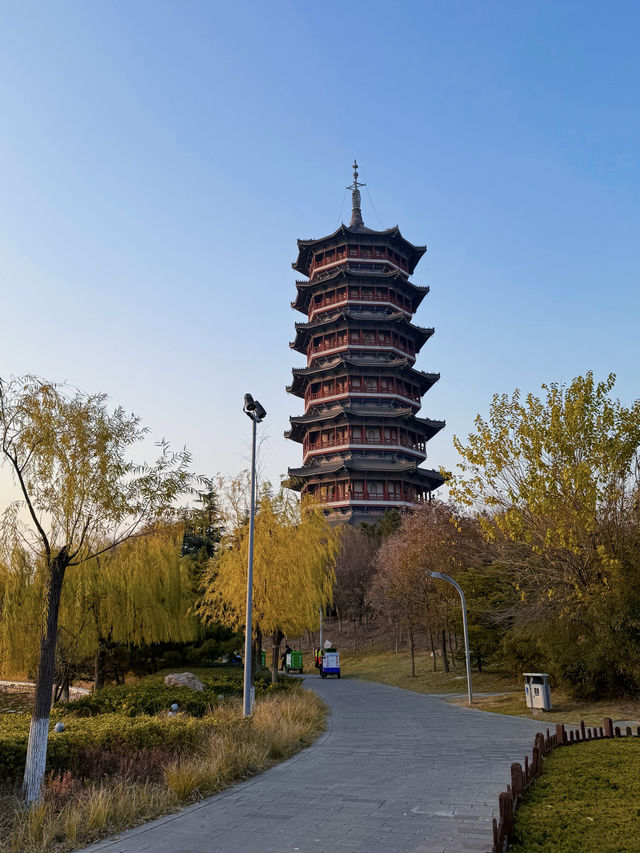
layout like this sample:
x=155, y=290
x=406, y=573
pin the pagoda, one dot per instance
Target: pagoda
x=362, y=440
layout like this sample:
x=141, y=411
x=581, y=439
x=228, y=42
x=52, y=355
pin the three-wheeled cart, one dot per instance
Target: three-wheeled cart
x=330, y=663
x=293, y=661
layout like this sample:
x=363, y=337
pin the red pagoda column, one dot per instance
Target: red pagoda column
x=362, y=440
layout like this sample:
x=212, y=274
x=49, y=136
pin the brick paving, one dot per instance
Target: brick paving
x=396, y=772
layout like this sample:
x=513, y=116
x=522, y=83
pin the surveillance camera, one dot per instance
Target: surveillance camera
x=260, y=411
x=249, y=404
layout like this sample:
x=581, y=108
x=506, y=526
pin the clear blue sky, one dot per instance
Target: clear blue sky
x=158, y=161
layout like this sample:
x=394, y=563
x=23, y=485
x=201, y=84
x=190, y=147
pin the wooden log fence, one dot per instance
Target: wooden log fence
x=524, y=775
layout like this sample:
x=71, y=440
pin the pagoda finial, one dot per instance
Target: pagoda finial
x=356, y=213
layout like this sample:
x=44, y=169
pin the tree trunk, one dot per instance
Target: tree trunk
x=256, y=654
x=100, y=665
x=412, y=647
x=453, y=657
x=433, y=651
x=39, y=729
x=64, y=691
x=443, y=646
x=276, y=638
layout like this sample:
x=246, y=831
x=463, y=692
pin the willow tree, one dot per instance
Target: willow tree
x=81, y=496
x=135, y=594
x=293, y=571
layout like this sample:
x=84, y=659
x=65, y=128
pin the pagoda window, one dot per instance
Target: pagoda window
x=365, y=252
x=395, y=491
x=367, y=293
x=356, y=433
x=355, y=382
x=330, y=255
x=342, y=293
x=353, y=251
x=370, y=384
x=379, y=253
x=368, y=338
x=373, y=434
x=375, y=488
x=354, y=336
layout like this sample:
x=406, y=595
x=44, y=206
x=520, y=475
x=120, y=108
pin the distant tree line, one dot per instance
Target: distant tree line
x=542, y=531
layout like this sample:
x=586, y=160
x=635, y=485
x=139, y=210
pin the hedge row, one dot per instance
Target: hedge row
x=108, y=732
x=151, y=696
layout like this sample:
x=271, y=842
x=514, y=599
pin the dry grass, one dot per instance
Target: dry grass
x=386, y=667
x=565, y=710
x=280, y=726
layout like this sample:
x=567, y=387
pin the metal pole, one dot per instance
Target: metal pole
x=249, y=691
x=465, y=628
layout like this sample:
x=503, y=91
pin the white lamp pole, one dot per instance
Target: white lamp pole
x=255, y=411
x=444, y=577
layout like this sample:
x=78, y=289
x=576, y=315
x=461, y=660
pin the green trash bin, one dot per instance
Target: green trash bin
x=263, y=657
x=293, y=661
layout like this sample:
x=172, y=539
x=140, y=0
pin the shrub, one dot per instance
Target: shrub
x=151, y=695
x=111, y=733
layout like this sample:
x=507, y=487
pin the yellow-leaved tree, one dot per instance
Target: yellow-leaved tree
x=135, y=594
x=293, y=571
x=81, y=494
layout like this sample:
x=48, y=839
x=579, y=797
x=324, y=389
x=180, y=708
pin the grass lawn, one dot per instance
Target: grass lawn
x=587, y=801
x=395, y=669
x=565, y=710
x=386, y=667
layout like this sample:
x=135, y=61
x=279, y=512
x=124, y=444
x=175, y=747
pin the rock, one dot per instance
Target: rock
x=183, y=679
x=59, y=727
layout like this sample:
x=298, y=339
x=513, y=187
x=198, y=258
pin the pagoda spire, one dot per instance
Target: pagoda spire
x=356, y=213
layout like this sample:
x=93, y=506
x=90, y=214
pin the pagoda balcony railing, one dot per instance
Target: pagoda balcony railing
x=359, y=443
x=338, y=346
x=381, y=496
x=351, y=299
x=351, y=439
x=359, y=391
x=356, y=253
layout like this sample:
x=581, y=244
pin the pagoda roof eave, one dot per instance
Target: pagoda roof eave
x=421, y=333
x=305, y=247
x=345, y=272
x=401, y=366
x=423, y=476
x=306, y=288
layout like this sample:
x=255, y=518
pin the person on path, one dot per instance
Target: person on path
x=287, y=651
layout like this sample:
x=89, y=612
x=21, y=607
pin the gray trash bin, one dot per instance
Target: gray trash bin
x=537, y=691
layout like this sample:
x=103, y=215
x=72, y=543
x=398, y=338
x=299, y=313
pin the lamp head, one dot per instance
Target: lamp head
x=254, y=409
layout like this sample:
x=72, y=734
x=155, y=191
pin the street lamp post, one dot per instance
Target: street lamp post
x=255, y=411
x=444, y=577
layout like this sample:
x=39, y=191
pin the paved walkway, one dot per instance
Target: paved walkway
x=396, y=772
